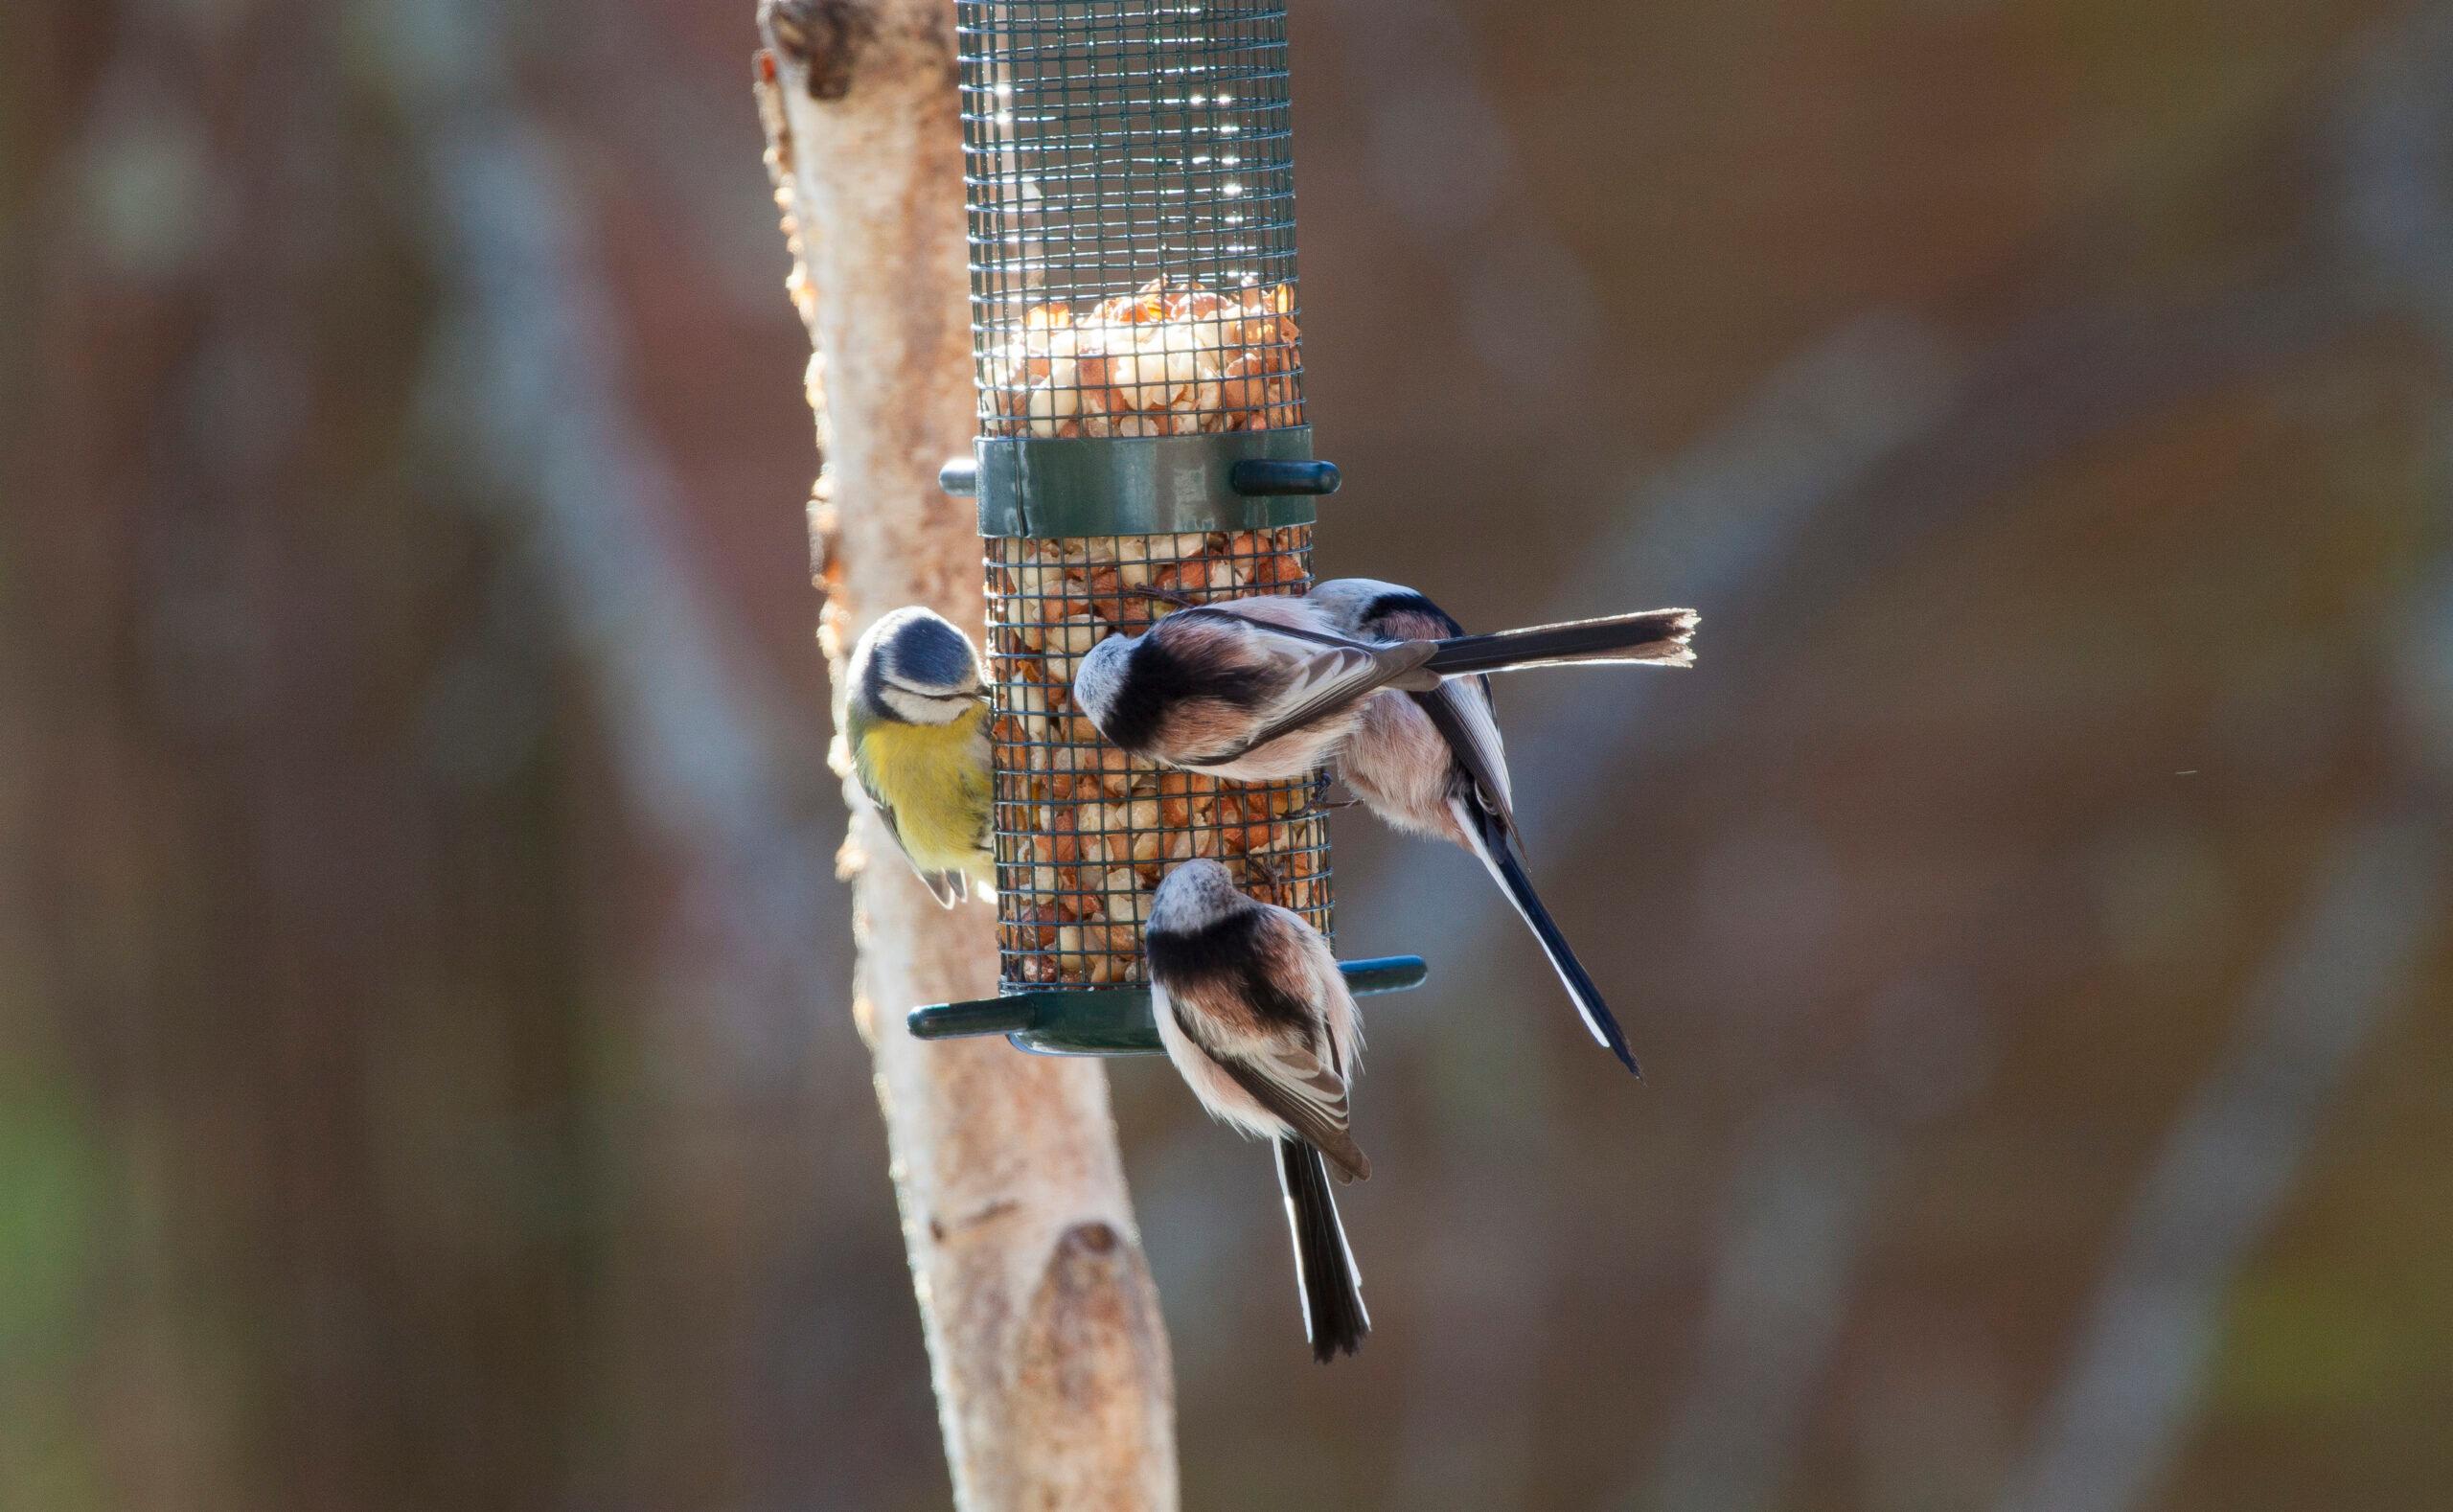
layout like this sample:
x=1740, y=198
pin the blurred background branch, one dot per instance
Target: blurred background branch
x=2113, y=1426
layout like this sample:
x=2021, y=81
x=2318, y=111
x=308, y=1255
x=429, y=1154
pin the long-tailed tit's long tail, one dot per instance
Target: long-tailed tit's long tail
x=1657, y=636
x=1334, y=1318
x=1492, y=846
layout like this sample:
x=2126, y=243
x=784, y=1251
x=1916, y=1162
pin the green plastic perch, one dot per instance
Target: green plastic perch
x=1112, y=1021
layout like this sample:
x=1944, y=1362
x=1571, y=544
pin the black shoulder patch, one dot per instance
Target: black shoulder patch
x=1157, y=682
x=1227, y=954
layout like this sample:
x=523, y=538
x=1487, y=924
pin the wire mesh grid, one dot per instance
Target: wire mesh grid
x=1131, y=189
x=1083, y=832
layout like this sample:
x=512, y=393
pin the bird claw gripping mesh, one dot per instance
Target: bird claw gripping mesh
x=1143, y=447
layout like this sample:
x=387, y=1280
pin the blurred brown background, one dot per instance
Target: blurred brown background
x=425, y=1080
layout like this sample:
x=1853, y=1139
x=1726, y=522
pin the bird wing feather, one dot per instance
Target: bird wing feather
x=884, y=808
x=1289, y=1072
x=1460, y=710
x=947, y=887
x=1307, y=1108
x=1327, y=674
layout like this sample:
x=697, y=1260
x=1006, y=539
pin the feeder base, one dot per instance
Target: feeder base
x=1112, y=1021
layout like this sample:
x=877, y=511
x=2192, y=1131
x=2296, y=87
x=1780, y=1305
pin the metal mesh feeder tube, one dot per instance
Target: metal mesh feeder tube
x=1143, y=448
x=1130, y=185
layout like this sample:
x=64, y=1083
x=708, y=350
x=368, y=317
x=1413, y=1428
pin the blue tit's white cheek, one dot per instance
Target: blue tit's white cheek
x=924, y=708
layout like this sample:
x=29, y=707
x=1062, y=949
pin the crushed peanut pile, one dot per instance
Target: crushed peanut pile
x=1085, y=831
x=1168, y=359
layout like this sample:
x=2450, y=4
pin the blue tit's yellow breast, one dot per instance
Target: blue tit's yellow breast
x=935, y=779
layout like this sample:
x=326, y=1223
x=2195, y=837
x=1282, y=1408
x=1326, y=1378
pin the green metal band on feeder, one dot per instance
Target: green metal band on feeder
x=1112, y=1021
x=1156, y=486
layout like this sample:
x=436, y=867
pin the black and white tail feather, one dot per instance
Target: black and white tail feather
x=1332, y=672
x=1461, y=713
x=1491, y=838
x=1661, y=637
x=1334, y=1317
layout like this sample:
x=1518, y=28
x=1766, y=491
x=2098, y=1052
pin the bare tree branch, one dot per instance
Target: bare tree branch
x=1054, y=1388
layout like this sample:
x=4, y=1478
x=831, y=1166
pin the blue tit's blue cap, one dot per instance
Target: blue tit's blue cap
x=925, y=651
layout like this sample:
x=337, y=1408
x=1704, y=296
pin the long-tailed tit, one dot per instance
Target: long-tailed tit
x=1265, y=689
x=1431, y=763
x=1256, y=1019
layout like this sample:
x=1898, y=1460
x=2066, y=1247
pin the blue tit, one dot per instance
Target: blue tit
x=916, y=719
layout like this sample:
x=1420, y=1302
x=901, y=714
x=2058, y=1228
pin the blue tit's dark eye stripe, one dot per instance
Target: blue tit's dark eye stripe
x=936, y=695
x=872, y=674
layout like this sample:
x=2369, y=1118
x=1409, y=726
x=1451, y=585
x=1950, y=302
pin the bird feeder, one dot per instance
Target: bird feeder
x=1143, y=447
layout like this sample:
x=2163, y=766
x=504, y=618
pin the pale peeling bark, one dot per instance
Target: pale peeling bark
x=1048, y=1354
